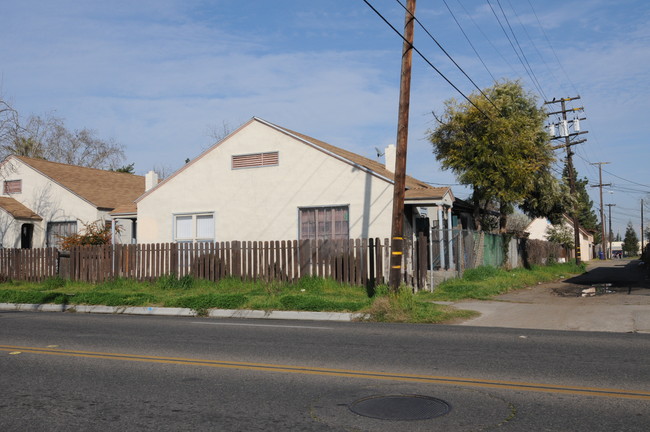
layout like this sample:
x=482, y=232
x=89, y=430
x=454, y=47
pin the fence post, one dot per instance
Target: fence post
x=305, y=257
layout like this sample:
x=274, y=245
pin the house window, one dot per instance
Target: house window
x=12, y=186
x=57, y=230
x=324, y=223
x=255, y=160
x=192, y=228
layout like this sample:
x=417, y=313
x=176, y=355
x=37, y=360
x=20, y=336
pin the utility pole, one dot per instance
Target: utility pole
x=602, y=211
x=397, y=229
x=609, y=238
x=642, y=233
x=566, y=135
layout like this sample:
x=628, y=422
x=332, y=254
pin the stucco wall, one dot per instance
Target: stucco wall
x=45, y=198
x=538, y=229
x=262, y=203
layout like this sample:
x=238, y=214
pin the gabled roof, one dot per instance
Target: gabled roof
x=102, y=189
x=17, y=210
x=415, y=189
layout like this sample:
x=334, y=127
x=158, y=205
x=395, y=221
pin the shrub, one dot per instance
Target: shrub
x=94, y=233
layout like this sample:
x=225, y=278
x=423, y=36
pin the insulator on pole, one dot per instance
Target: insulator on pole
x=551, y=129
x=564, y=128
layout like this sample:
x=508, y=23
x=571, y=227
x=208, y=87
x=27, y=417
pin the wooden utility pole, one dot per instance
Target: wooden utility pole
x=397, y=229
x=609, y=234
x=642, y=233
x=602, y=210
x=569, y=162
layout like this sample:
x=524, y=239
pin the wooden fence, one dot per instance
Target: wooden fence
x=32, y=265
x=362, y=262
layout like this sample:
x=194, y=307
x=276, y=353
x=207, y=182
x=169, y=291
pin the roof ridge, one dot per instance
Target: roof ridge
x=27, y=159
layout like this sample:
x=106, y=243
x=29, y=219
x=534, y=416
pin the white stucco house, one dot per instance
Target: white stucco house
x=266, y=182
x=43, y=200
x=538, y=230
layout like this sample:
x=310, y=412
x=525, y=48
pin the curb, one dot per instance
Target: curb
x=182, y=312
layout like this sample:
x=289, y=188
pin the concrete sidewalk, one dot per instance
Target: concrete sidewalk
x=625, y=307
x=574, y=314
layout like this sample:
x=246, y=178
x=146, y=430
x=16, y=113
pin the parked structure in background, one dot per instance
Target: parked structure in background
x=42, y=201
x=538, y=229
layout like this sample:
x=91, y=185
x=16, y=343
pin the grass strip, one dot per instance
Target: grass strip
x=307, y=294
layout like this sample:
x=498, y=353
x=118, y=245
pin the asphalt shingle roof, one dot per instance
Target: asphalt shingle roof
x=103, y=189
x=17, y=210
x=416, y=189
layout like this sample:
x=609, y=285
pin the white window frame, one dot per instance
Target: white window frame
x=194, y=227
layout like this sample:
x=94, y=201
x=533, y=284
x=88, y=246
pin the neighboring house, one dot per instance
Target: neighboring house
x=43, y=200
x=538, y=230
x=266, y=182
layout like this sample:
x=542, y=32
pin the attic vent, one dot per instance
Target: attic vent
x=12, y=186
x=255, y=160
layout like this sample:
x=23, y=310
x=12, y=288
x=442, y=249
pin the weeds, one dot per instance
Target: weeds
x=484, y=282
x=306, y=294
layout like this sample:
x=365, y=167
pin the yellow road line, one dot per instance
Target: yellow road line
x=430, y=379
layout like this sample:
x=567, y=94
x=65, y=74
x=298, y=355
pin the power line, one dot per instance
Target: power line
x=532, y=42
x=469, y=41
x=468, y=15
x=426, y=59
x=552, y=49
x=523, y=54
x=529, y=73
x=446, y=53
x=629, y=181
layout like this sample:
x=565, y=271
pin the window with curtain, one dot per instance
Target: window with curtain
x=57, y=230
x=192, y=228
x=324, y=223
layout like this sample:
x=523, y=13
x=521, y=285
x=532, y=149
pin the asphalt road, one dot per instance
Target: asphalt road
x=78, y=372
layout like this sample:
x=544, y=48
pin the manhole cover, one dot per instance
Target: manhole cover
x=400, y=407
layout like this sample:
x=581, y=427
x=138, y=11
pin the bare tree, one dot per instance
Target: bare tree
x=48, y=138
x=218, y=133
x=8, y=123
x=163, y=171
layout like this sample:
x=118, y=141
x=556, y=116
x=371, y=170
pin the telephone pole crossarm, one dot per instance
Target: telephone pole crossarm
x=569, y=161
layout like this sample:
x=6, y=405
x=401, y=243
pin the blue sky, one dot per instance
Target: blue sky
x=159, y=76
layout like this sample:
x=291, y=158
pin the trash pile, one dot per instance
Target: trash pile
x=597, y=290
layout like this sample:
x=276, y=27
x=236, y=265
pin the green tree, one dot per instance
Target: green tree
x=631, y=241
x=561, y=234
x=128, y=169
x=498, y=146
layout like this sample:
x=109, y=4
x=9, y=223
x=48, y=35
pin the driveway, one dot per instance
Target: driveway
x=621, y=302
